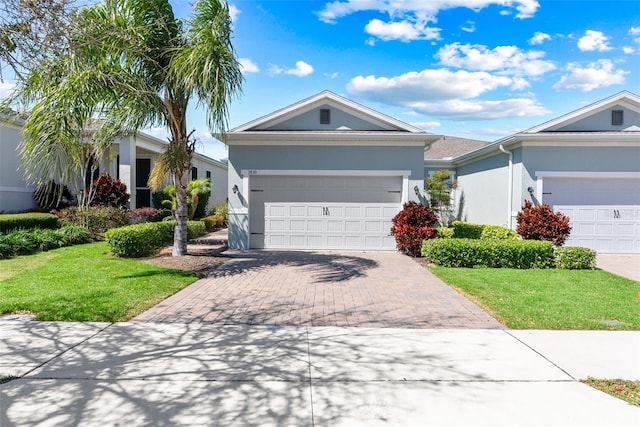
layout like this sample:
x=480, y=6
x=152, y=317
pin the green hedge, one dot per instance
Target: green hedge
x=489, y=253
x=140, y=240
x=10, y=222
x=574, y=258
x=25, y=242
x=97, y=219
x=444, y=232
x=465, y=230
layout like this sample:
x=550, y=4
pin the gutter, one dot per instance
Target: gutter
x=510, y=186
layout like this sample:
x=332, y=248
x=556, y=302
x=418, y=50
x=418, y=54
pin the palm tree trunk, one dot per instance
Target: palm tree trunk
x=180, y=232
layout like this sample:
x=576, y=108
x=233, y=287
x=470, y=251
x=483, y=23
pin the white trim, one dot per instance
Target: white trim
x=331, y=138
x=245, y=173
x=585, y=174
x=17, y=189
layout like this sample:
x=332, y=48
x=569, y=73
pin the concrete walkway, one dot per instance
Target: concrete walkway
x=96, y=374
x=364, y=289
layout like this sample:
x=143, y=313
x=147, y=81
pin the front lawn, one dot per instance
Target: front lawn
x=83, y=283
x=628, y=391
x=550, y=299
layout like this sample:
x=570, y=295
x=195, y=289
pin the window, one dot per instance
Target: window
x=194, y=173
x=325, y=116
x=617, y=117
x=209, y=174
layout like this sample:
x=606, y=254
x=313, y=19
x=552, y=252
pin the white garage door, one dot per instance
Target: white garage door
x=323, y=212
x=604, y=212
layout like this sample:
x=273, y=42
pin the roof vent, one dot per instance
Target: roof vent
x=617, y=117
x=325, y=116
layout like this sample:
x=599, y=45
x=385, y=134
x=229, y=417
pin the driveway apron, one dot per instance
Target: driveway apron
x=362, y=289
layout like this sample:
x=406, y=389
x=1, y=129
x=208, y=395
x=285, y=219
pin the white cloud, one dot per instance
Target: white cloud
x=460, y=109
x=539, y=38
x=248, y=66
x=592, y=41
x=5, y=89
x=469, y=27
x=601, y=73
x=302, y=69
x=431, y=84
x=445, y=94
x=505, y=59
x=402, y=30
x=420, y=9
x=234, y=13
x=332, y=76
x=426, y=125
x=628, y=50
x=635, y=32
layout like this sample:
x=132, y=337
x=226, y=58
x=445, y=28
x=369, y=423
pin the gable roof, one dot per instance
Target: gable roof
x=625, y=98
x=448, y=147
x=327, y=98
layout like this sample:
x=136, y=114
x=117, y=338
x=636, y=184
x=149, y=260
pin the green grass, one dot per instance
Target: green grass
x=628, y=391
x=549, y=299
x=83, y=283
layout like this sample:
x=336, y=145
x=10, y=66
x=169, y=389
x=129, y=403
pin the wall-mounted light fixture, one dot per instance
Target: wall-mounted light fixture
x=417, y=190
x=235, y=189
x=530, y=190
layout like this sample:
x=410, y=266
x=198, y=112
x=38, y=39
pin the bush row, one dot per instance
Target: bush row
x=213, y=222
x=465, y=230
x=25, y=242
x=10, y=222
x=488, y=253
x=506, y=254
x=140, y=240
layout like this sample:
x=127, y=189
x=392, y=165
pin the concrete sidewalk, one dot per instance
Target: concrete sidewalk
x=89, y=374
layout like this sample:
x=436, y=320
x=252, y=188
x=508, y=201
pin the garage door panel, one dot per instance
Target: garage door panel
x=316, y=212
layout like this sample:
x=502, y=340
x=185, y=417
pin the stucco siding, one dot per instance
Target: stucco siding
x=312, y=158
x=482, y=191
x=15, y=194
x=218, y=180
x=311, y=121
x=602, y=121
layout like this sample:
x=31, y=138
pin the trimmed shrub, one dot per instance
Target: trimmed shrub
x=574, y=258
x=213, y=222
x=411, y=226
x=10, y=222
x=109, y=192
x=140, y=240
x=444, y=233
x=488, y=253
x=142, y=215
x=222, y=210
x=541, y=223
x=26, y=242
x=96, y=219
x=465, y=230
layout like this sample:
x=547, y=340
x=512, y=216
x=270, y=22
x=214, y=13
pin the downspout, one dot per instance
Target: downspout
x=510, y=186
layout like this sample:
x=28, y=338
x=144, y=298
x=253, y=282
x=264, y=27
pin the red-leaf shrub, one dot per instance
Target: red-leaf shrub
x=142, y=215
x=109, y=192
x=411, y=226
x=541, y=223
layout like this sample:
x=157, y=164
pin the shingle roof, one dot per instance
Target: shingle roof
x=451, y=147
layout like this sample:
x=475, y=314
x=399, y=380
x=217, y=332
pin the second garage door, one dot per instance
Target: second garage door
x=323, y=212
x=604, y=212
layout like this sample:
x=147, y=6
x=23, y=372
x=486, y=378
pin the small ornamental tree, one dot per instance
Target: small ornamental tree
x=109, y=192
x=541, y=223
x=412, y=225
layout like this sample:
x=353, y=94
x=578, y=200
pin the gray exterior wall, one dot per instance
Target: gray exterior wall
x=15, y=194
x=602, y=121
x=311, y=121
x=482, y=190
x=316, y=158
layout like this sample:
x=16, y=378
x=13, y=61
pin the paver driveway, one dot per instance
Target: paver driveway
x=367, y=289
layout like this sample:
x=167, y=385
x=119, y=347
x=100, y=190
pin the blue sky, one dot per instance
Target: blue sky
x=472, y=68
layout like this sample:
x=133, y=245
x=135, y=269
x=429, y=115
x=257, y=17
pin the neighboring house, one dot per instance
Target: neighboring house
x=585, y=164
x=130, y=160
x=323, y=173
x=328, y=173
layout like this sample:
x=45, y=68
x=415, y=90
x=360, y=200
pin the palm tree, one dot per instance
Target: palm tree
x=131, y=64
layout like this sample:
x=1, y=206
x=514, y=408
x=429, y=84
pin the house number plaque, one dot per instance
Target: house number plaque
x=616, y=214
